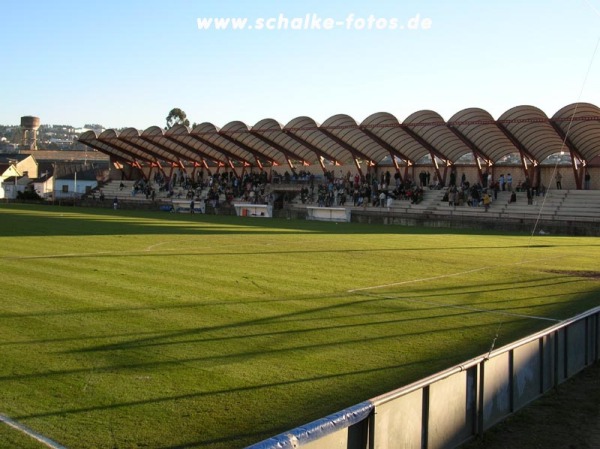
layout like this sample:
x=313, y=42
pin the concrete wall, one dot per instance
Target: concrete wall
x=573, y=227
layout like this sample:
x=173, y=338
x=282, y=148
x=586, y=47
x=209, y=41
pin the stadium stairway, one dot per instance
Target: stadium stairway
x=443, y=208
x=544, y=207
x=113, y=189
x=564, y=205
x=431, y=198
x=583, y=205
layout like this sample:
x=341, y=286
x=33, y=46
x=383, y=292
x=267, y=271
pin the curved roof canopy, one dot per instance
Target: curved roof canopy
x=381, y=137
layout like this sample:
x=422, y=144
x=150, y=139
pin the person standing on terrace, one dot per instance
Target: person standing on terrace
x=586, y=180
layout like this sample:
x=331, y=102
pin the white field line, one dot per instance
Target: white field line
x=58, y=256
x=444, y=276
x=134, y=252
x=151, y=247
x=203, y=248
x=411, y=281
x=470, y=308
x=27, y=431
x=440, y=304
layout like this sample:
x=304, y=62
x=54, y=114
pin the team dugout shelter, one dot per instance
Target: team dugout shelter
x=525, y=133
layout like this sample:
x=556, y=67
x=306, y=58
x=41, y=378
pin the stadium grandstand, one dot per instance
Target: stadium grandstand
x=423, y=169
x=380, y=140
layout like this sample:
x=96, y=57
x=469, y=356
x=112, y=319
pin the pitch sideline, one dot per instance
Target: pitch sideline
x=27, y=431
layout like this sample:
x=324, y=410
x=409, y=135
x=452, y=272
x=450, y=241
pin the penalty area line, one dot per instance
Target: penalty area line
x=469, y=308
x=444, y=276
x=27, y=431
x=433, y=278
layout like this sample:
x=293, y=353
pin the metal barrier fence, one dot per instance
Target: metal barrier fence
x=453, y=406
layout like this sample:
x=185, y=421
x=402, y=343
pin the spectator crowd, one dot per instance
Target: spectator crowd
x=356, y=189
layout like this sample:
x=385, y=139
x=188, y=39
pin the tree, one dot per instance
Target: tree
x=177, y=117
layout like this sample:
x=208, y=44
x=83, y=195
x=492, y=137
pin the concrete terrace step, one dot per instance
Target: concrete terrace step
x=466, y=211
x=581, y=203
x=517, y=216
x=591, y=206
x=592, y=216
x=406, y=204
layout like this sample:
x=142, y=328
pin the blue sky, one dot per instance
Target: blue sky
x=128, y=62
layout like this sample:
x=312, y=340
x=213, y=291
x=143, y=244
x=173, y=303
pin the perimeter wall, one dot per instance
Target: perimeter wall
x=452, y=407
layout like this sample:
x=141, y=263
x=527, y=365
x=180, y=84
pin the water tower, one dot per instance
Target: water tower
x=29, y=127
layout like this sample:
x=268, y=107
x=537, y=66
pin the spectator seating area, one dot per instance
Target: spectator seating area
x=561, y=205
x=581, y=205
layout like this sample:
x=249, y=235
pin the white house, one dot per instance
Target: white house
x=43, y=185
x=9, y=180
x=76, y=184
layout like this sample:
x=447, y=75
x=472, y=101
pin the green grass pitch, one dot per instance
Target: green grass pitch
x=128, y=329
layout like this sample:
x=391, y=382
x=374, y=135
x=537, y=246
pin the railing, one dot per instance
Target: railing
x=451, y=407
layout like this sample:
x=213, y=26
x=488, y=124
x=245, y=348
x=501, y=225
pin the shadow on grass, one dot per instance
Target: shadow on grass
x=313, y=314
x=422, y=293
x=166, y=254
x=386, y=376
x=422, y=299
x=239, y=356
x=29, y=220
x=294, y=316
x=162, y=399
